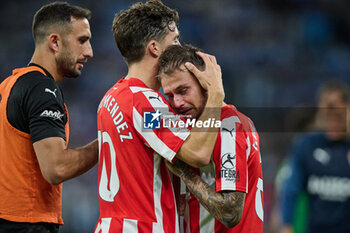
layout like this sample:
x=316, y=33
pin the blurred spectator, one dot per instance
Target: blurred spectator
x=316, y=191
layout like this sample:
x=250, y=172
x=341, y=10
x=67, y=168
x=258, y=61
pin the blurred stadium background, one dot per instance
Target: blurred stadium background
x=272, y=53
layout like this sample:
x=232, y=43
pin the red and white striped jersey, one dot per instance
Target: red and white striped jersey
x=235, y=166
x=135, y=191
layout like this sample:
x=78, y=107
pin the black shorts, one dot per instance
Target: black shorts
x=23, y=227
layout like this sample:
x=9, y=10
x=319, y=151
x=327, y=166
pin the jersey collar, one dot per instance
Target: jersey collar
x=46, y=72
x=134, y=82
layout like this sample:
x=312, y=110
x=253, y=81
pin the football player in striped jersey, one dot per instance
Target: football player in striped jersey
x=227, y=194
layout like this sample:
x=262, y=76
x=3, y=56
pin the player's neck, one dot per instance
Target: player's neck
x=45, y=60
x=146, y=71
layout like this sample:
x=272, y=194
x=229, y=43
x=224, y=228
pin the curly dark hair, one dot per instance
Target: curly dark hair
x=176, y=55
x=55, y=16
x=135, y=27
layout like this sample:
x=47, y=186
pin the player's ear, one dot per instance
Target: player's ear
x=54, y=42
x=154, y=49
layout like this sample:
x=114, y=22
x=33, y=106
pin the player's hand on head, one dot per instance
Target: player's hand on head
x=211, y=78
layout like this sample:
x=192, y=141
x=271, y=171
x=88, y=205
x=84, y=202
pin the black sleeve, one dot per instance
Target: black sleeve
x=36, y=106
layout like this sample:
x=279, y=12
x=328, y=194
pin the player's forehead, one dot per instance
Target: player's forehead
x=175, y=80
x=80, y=27
x=333, y=98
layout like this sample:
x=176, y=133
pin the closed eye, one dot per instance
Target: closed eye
x=183, y=91
x=177, y=40
x=169, y=96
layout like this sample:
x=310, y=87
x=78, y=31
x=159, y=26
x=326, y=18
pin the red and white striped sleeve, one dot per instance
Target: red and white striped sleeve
x=231, y=156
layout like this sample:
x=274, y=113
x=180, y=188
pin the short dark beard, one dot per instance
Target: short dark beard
x=66, y=64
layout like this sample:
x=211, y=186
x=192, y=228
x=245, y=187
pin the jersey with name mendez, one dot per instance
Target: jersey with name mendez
x=135, y=191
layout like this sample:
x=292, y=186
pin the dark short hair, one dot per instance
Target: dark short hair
x=55, y=14
x=176, y=55
x=334, y=85
x=135, y=27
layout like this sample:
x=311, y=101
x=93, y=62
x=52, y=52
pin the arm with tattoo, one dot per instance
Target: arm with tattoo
x=226, y=207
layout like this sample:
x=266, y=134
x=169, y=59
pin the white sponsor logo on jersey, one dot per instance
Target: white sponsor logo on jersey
x=52, y=92
x=331, y=188
x=57, y=115
x=321, y=156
